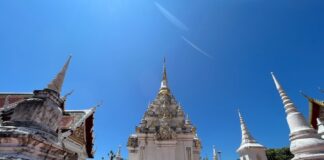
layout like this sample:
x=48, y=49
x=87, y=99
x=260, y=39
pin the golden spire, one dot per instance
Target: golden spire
x=164, y=72
x=57, y=83
x=164, y=84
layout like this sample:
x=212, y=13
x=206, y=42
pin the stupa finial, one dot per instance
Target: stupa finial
x=164, y=83
x=246, y=136
x=57, y=83
x=118, y=154
x=288, y=104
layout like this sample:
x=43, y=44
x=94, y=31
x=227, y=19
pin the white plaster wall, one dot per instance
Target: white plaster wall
x=164, y=150
x=253, y=153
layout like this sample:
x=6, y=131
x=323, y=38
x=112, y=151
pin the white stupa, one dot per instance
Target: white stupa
x=215, y=154
x=249, y=148
x=305, y=143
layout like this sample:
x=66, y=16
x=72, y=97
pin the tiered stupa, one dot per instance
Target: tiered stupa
x=164, y=132
x=305, y=142
x=249, y=148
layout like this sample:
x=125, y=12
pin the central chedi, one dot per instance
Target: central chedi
x=164, y=133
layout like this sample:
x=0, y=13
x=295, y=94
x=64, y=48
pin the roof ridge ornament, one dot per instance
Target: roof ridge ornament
x=67, y=95
x=305, y=95
x=57, y=83
x=311, y=99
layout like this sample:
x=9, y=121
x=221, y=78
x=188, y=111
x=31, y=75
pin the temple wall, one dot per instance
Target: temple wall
x=181, y=148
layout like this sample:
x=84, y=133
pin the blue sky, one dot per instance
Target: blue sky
x=118, y=48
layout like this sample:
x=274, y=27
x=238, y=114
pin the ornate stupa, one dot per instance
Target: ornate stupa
x=164, y=133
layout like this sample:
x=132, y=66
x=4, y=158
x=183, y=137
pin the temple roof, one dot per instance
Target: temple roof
x=7, y=98
x=164, y=112
x=8, y=101
x=74, y=118
x=80, y=121
x=316, y=110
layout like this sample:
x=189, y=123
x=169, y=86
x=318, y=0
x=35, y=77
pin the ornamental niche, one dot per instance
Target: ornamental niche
x=165, y=132
x=132, y=142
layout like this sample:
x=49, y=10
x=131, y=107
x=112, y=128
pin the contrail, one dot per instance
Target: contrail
x=196, y=47
x=174, y=20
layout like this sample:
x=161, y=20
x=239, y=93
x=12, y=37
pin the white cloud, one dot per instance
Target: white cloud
x=174, y=20
x=196, y=47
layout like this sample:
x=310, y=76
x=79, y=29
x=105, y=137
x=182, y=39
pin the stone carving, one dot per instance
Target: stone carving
x=78, y=134
x=164, y=106
x=165, y=132
x=132, y=142
x=180, y=111
x=197, y=143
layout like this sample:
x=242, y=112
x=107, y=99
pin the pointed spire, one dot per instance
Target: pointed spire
x=246, y=136
x=187, y=120
x=288, y=104
x=57, y=83
x=164, y=83
x=215, y=154
x=296, y=121
x=164, y=69
x=164, y=89
x=118, y=154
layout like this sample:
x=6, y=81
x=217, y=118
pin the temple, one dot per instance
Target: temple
x=164, y=133
x=36, y=125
